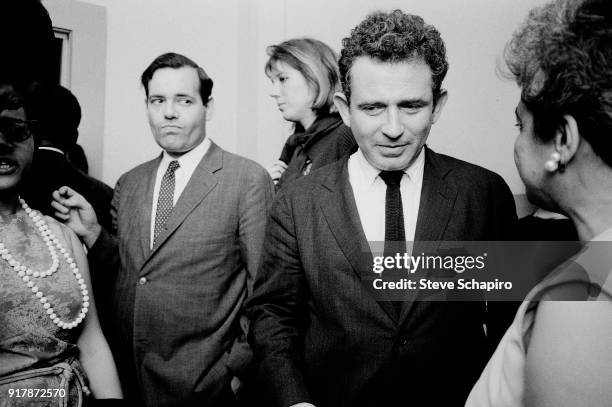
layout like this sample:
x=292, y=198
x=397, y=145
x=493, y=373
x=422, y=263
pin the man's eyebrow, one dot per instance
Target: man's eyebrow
x=178, y=95
x=403, y=103
x=413, y=103
x=371, y=104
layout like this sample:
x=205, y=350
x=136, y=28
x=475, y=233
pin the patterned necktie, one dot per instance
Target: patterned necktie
x=394, y=225
x=165, y=200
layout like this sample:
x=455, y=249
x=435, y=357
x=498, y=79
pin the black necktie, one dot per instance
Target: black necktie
x=395, y=237
x=165, y=201
x=394, y=213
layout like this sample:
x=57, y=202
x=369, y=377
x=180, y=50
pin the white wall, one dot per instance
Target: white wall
x=87, y=25
x=477, y=124
x=139, y=31
x=228, y=38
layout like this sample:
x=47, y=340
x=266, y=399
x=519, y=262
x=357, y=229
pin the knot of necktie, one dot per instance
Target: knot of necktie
x=392, y=178
x=173, y=166
x=394, y=213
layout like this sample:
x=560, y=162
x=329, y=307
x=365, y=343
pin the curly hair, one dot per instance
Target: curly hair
x=394, y=37
x=316, y=61
x=561, y=57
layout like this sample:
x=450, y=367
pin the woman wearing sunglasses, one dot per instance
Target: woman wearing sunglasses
x=51, y=347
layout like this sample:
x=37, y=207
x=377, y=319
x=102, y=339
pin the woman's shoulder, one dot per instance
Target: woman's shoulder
x=61, y=231
x=53, y=223
x=585, y=276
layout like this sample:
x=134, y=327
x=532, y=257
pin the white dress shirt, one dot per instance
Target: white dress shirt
x=188, y=163
x=370, y=192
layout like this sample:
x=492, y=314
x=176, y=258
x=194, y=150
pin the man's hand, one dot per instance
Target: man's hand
x=75, y=212
x=276, y=170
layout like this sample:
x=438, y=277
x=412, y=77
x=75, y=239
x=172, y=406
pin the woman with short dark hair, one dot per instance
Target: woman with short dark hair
x=557, y=352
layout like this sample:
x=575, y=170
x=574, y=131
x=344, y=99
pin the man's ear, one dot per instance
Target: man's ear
x=437, y=110
x=342, y=105
x=209, y=108
x=567, y=139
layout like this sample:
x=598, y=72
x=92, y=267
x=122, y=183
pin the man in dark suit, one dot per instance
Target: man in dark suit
x=190, y=227
x=319, y=335
x=56, y=133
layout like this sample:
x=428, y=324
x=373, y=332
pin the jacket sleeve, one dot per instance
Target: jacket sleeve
x=103, y=256
x=253, y=208
x=277, y=311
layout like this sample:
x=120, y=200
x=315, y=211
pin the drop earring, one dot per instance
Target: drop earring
x=552, y=165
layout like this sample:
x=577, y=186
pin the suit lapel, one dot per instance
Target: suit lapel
x=437, y=200
x=144, y=190
x=202, y=181
x=435, y=208
x=341, y=214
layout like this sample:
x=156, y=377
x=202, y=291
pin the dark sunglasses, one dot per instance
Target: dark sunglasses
x=15, y=130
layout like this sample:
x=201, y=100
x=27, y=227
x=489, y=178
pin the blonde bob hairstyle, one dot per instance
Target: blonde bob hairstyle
x=316, y=61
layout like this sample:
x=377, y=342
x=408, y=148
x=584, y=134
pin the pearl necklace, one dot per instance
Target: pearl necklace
x=26, y=273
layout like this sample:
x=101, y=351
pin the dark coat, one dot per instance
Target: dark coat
x=51, y=170
x=324, y=142
x=318, y=333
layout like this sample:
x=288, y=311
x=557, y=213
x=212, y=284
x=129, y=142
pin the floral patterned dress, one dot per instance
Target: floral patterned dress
x=34, y=352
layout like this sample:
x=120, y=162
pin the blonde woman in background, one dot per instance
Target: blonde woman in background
x=304, y=76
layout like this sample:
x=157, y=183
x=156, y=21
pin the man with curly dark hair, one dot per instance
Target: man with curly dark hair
x=321, y=334
x=395, y=37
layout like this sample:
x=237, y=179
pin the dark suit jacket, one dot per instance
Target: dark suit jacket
x=178, y=306
x=318, y=333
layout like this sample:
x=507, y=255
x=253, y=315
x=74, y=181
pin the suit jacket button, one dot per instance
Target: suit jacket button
x=142, y=280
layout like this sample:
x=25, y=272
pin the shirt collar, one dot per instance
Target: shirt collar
x=544, y=214
x=57, y=150
x=369, y=172
x=190, y=159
